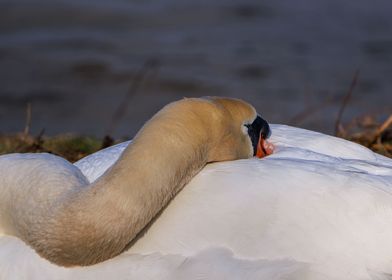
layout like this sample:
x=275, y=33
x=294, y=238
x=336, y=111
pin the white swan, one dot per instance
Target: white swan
x=318, y=208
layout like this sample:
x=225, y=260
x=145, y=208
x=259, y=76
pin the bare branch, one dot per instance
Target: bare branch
x=26, y=131
x=384, y=126
x=133, y=89
x=338, y=124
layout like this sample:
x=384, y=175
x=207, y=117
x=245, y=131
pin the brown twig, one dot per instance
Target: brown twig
x=38, y=141
x=134, y=87
x=376, y=139
x=26, y=131
x=346, y=99
x=384, y=126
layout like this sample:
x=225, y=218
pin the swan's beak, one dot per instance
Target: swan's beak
x=259, y=131
x=264, y=148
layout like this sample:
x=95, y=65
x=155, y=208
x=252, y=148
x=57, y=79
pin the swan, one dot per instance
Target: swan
x=319, y=207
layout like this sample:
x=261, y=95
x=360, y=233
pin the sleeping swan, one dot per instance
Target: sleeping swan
x=319, y=207
x=51, y=206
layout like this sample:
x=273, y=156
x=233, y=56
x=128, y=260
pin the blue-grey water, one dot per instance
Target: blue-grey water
x=74, y=60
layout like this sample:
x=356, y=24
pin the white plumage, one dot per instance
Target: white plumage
x=318, y=208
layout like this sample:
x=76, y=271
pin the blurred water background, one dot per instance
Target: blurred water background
x=75, y=60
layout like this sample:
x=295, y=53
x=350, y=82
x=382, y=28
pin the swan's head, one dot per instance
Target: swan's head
x=241, y=132
x=210, y=129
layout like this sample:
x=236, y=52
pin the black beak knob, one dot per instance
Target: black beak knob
x=259, y=128
x=265, y=130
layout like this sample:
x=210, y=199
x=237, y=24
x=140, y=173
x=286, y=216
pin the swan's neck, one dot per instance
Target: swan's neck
x=97, y=222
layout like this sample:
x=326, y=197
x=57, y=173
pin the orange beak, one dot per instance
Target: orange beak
x=264, y=148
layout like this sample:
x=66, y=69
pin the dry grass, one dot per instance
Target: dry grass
x=366, y=131
x=370, y=133
x=71, y=147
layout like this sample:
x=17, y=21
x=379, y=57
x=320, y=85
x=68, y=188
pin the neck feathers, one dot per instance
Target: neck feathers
x=97, y=222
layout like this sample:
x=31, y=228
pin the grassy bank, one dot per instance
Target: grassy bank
x=377, y=136
x=71, y=147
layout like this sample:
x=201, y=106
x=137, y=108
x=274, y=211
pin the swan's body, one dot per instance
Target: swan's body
x=318, y=208
x=104, y=217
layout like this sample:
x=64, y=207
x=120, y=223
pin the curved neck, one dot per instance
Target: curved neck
x=97, y=222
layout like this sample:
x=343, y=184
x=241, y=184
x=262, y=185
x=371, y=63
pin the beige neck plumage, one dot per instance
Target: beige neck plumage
x=97, y=222
x=71, y=223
